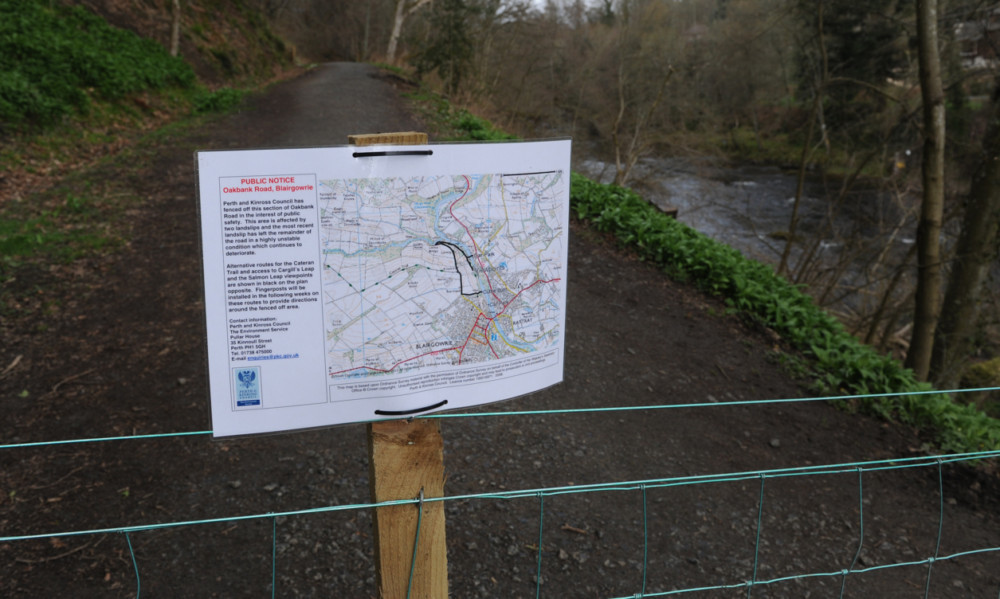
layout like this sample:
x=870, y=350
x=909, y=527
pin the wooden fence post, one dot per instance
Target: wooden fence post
x=406, y=461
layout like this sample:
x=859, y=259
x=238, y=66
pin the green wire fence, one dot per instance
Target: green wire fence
x=753, y=581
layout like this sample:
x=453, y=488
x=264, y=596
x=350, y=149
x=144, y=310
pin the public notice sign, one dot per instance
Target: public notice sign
x=351, y=284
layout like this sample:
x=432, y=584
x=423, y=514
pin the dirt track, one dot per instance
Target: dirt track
x=121, y=351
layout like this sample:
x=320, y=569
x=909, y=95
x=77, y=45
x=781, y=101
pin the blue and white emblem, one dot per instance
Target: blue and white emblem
x=246, y=384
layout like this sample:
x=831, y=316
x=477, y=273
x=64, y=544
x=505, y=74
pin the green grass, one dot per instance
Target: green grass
x=743, y=145
x=395, y=70
x=225, y=99
x=71, y=226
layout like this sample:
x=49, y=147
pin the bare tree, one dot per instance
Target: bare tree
x=819, y=88
x=404, y=9
x=175, y=29
x=629, y=142
x=932, y=206
x=636, y=61
x=976, y=251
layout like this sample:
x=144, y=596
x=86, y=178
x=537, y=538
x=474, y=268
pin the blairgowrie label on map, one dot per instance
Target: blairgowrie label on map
x=351, y=284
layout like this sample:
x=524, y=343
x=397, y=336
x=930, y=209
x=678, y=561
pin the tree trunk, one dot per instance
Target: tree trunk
x=817, y=107
x=974, y=254
x=397, y=30
x=175, y=30
x=800, y=184
x=402, y=12
x=932, y=207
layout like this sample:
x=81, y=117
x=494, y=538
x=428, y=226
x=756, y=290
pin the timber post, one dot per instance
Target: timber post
x=406, y=462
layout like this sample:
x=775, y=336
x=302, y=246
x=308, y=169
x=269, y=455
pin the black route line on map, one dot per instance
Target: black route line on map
x=527, y=174
x=455, y=251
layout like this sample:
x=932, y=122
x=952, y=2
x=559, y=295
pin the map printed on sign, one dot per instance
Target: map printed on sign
x=344, y=285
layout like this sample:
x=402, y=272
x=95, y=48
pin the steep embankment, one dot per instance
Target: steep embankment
x=81, y=84
x=224, y=41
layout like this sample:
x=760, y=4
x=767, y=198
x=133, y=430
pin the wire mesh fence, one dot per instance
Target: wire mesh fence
x=920, y=525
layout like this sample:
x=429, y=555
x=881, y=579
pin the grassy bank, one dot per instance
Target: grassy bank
x=75, y=92
x=55, y=61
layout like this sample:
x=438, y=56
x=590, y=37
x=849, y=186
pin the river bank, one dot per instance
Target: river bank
x=848, y=243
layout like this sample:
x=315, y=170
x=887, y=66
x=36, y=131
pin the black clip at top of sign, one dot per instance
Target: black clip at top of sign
x=393, y=153
x=410, y=412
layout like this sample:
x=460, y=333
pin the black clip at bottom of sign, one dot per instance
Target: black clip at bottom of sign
x=411, y=412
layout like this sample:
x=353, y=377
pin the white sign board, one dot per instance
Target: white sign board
x=351, y=284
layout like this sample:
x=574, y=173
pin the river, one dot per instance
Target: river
x=851, y=242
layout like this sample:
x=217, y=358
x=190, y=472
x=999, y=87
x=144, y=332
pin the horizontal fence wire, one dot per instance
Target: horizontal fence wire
x=636, y=485
x=642, y=486
x=557, y=412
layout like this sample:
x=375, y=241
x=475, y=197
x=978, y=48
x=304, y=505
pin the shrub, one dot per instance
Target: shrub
x=220, y=100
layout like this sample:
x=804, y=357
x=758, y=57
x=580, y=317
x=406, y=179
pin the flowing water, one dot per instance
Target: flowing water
x=856, y=239
x=749, y=207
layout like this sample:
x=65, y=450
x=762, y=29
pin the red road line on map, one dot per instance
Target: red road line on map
x=394, y=366
x=468, y=186
x=469, y=336
x=461, y=349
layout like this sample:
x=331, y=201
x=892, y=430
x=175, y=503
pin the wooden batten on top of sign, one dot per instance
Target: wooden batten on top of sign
x=405, y=138
x=406, y=461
